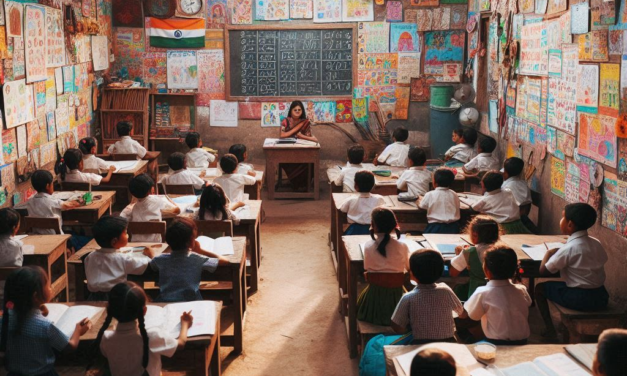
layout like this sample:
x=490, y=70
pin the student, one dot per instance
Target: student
x=126, y=145
x=382, y=254
x=123, y=345
x=70, y=170
x=499, y=204
x=395, y=154
x=197, y=157
x=148, y=206
x=239, y=151
x=30, y=340
x=441, y=204
x=10, y=249
x=231, y=180
x=89, y=147
x=416, y=179
x=346, y=178
x=43, y=204
x=610, y=359
x=181, y=175
x=433, y=362
x=463, y=150
x=512, y=170
x=484, y=233
x=107, y=266
x=580, y=263
x=502, y=306
x=358, y=208
x=215, y=206
x=181, y=269
x=298, y=126
x=427, y=310
x=484, y=161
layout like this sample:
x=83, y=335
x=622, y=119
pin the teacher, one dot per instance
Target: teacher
x=297, y=125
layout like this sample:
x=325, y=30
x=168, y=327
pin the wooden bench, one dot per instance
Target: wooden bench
x=583, y=327
x=367, y=331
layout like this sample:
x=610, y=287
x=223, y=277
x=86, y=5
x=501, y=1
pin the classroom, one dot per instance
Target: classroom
x=313, y=187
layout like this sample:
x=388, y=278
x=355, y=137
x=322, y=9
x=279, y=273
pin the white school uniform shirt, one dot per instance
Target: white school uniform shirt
x=233, y=185
x=184, y=176
x=91, y=162
x=500, y=205
x=346, y=178
x=580, y=261
x=415, y=180
x=358, y=208
x=519, y=189
x=10, y=252
x=244, y=168
x=441, y=204
x=44, y=205
x=199, y=158
x=482, y=162
x=395, y=261
x=123, y=349
x=76, y=176
x=106, y=267
x=460, y=263
x=461, y=152
x=395, y=154
x=126, y=145
x=503, y=309
x=146, y=209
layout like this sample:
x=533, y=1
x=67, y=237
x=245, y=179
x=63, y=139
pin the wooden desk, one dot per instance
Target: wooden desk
x=152, y=163
x=84, y=215
x=119, y=182
x=50, y=254
x=291, y=153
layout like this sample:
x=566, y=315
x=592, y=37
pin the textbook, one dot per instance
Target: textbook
x=463, y=357
x=66, y=317
x=123, y=165
x=221, y=246
x=168, y=317
x=411, y=244
x=537, y=252
x=583, y=352
x=550, y=365
x=469, y=198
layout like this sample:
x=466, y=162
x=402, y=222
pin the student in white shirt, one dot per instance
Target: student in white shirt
x=197, y=157
x=147, y=206
x=240, y=152
x=71, y=170
x=499, y=204
x=580, y=263
x=416, y=179
x=346, y=178
x=395, y=154
x=484, y=161
x=89, y=147
x=514, y=182
x=231, y=181
x=502, y=307
x=358, y=208
x=10, y=249
x=441, y=204
x=132, y=349
x=107, y=266
x=215, y=206
x=463, y=150
x=126, y=145
x=181, y=175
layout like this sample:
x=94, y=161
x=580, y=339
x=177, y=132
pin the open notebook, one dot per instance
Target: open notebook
x=537, y=252
x=583, y=352
x=549, y=365
x=221, y=246
x=168, y=317
x=121, y=166
x=65, y=317
x=463, y=357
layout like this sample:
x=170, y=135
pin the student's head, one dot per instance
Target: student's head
x=141, y=186
x=433, y=362
x=364, y=181
x=176, y=161
x=577, y=217
x=72, y=160
x=487, y=145
x=500, y=263
x=443, y=177
x=482, y=229
x=383, y=221
x=458, y=135
x=297, y=110
x=400, y=134
x=9, y=221
x=417, y=157
x=88, y=145
x=181, y=234
x=111, y=232
x=470, y=137
x=228, y=163
x=124, y=128
x=42, y=181
x=213, y=200
x=356, y=154
x=426, y=266
x=513, y=167
x=492, y=180
x=239, y=151
x=193, y=140
x=611, y=356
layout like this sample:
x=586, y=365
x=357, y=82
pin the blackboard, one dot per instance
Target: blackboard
x=290, y=63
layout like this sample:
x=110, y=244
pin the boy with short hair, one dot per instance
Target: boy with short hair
x=441, y=204
x=395, y=154
x=181, y=175
x=416, y=179
x=43, y=204
x=427, y=310
x=240, y=152
x=197, y=157
x=484, y=161
x=512, y=171
x=580, y=263
x=463, y=150
x=611, y=356
x=231, y=180
x=126, y=145
x=358, y=208
x=346, y=178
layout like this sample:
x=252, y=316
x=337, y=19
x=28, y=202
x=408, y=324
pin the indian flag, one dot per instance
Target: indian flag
x=176, y=33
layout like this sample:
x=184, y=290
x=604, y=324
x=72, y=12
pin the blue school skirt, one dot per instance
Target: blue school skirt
x=357, y=229
x=452, y=163
x=442, y=228
x=576, y=298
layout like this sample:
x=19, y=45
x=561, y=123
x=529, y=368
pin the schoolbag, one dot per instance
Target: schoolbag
x=372, y=361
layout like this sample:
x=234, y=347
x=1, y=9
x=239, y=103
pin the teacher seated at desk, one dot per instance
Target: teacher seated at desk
x=297, y=125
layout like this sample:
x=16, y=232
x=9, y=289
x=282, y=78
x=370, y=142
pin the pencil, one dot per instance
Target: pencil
x=547, y=247
x=466, y=241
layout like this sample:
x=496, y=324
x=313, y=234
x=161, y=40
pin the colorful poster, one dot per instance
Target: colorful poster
x=19, y=68
x=615, y=42
x=14, y=14
x=156, y=68
x=272, y=10
x=32, y=132
x=597, y=138
x=373, y=37
x=404, y=38
x=622, y=159
x=129, y=52
x=357, y=10
x=588, y=88
x=421, y=88
x=609, y=96
x=22, y=143
x=580, y=18
x=272, y=114
x=327, y=11
x=526, y=6
x=408, y=67
x=556, y=6
x=210, y=76
x=593, y=46
x=411, y=15
x=360, y=109
x=35, y=43
x=614, y=213
x=55, y=40
x=425, y=3
x=51, y=126
x=555, y=63
x=182, y=70
x=241, y=12
x=344, y=111
x=425, y=20
x=443, y=47
x=100, y=52
x=459, y=16
x=216, y=13
x=394, y=11
x=48, y=153
x=558, y=177
x=534, y=55
x=401, y=109
x=323, y=112
x=571, y=184
x=9, y=146
x=562, y=101
x=62, y=115
x=19, y=105
x=223, y=113
x=301, y=9
x=51, y=94
x=441, y=18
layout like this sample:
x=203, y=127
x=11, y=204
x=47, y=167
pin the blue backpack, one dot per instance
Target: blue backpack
x=373, y=359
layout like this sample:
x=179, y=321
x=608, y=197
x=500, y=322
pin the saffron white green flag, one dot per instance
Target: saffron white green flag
x=176, y=33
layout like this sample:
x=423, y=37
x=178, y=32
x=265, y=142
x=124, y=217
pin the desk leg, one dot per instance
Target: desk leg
x=79, y=277
x=532, y=290
x=258, y=241
x=239, y=298
x=333, y=232
x=352, y=310
x=216, y=363
x=254, y=258
x=316, y=167
x=270, y=175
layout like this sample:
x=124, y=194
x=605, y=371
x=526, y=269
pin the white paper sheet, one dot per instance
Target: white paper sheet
x=66, y=318
x=537, y=252
x=203, y=311
x=123, y=165
x=221, y=246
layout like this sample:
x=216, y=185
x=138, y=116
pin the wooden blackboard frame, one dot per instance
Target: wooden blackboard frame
x=227, y=59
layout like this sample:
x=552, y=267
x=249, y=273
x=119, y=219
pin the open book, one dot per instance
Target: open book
x=463, y=357
x=169, y=317
x=469, y=198
x=65, y=317
x=549, y=365
x=221, y=246
x=411, y=244
x=583, y=352
x=537, y=252
x=123, y=165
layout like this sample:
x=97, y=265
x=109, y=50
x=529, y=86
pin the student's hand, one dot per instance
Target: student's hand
x=112, y=168
x=375, y=161
x=83, y=326
x=459, y=249
x=187, y=318
x=237, y=205
x=196, y=247
x=44, y=310
x=393, y=176
x=202, y=174
x=252, y=173
x=149, y=252
x=553, y=251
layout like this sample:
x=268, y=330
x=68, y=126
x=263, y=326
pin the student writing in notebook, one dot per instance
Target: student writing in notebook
x=358, y=208
x=70, y=170
x=215, y=206
x=416, y=179
x=346, y=177
x=611, y=355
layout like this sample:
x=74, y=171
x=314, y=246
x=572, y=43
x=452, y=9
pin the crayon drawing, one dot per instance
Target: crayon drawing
x=404, y=38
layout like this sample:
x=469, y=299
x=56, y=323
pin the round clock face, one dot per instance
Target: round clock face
x=191, y=6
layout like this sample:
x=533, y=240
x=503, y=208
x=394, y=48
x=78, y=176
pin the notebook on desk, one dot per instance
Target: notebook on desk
x=583, y=352
x=537, y=252
x=549, y=365
x=65, y=317
x=168, y=318
x=121, y=166
x=221, y=246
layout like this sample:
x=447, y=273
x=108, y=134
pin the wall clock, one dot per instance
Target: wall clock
x=190, y=8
